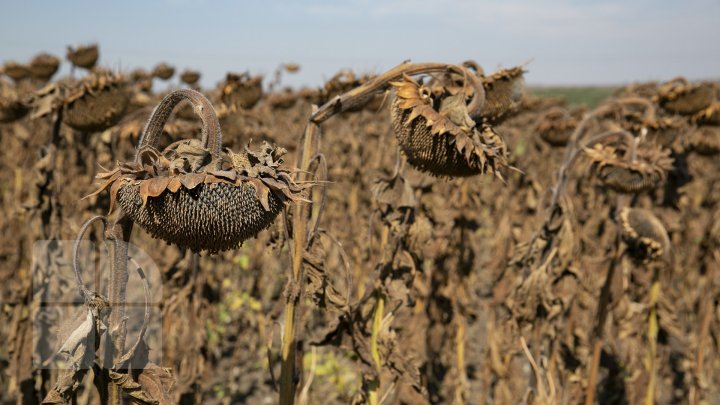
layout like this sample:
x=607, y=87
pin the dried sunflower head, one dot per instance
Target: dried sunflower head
x=141, y=79
x=345, y=81
x=646, y=90
x=241, y=91
x=84, y=56
x=282, y=100
x=190, y=77
x=556, y=126
x=12, y=105
x=644, y=234
x=97, y=102
x=648, y=171
x=633, y=114
x=163, y=71
x=709, y=116
x=43, y=66
x=682, y=97
x=667, y=131
x=438, y=136
x=193, y=193
x=705, y=140
x=16, y=71
x=503, y=93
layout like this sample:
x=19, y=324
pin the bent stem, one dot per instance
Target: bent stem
x=361, y=94
x=288, y=374
x=211, y=135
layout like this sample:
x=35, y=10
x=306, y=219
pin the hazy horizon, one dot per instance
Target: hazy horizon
x=568, y=42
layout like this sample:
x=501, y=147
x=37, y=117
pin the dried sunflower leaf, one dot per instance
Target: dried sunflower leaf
x=174, y=185
x=115, y=175
x=130, y=387
x=113, y=193
x=65, y=386
x=144, y=185
x=76, y=348
x=157, y=185
x=455, y=109
x=157, y=383
x=263, y=196
x=191, y=180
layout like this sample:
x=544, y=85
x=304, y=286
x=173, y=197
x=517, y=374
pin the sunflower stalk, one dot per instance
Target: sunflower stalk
x=289, y=377
x=119, y=235
x=374, y=385
x=652, y=338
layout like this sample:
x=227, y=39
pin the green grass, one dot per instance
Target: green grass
x=590, y=96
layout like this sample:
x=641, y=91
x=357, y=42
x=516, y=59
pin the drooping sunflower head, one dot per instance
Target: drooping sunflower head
x=438, y=136
x=616, y=172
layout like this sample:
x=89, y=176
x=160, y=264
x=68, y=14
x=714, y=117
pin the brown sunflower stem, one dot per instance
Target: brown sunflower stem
x=288, y=374
x=605, y=293
x=600, y=319
x=211, y=135
x=374, y=385
x=360, y=94
x=652, y=338
x=119, y=235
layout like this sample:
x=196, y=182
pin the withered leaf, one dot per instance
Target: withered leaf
x=263, y=196
x=114, y=176
x=191, y=180
x=79, y=346
x=174, y=185
x=156, y=185
x=65, y=386
x=130, y=387
x=226, y=174
x=454, y=108
x=113, y=193
x=144, y=192
x=157, y=383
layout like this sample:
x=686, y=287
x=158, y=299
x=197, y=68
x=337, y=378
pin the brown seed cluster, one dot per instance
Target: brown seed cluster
x=556, y=126
x=503, y=93
x=644, y=234
x=163, y=71
x=213, y=217
x=617, y=172
x=444, y=142
x=85, y=56
x=12, y=106
x=190, y=77
x=97, y=102
x=241, y=91
x=43, y=66
x=682, y=97
x=193, y=194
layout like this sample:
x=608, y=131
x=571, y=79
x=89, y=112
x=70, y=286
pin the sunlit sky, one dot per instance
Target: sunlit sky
x=565, y=41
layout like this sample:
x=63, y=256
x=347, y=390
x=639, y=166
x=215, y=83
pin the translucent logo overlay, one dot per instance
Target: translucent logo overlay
x=71, y=307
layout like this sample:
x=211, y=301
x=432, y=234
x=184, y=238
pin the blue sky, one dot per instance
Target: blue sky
x=567, y=41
